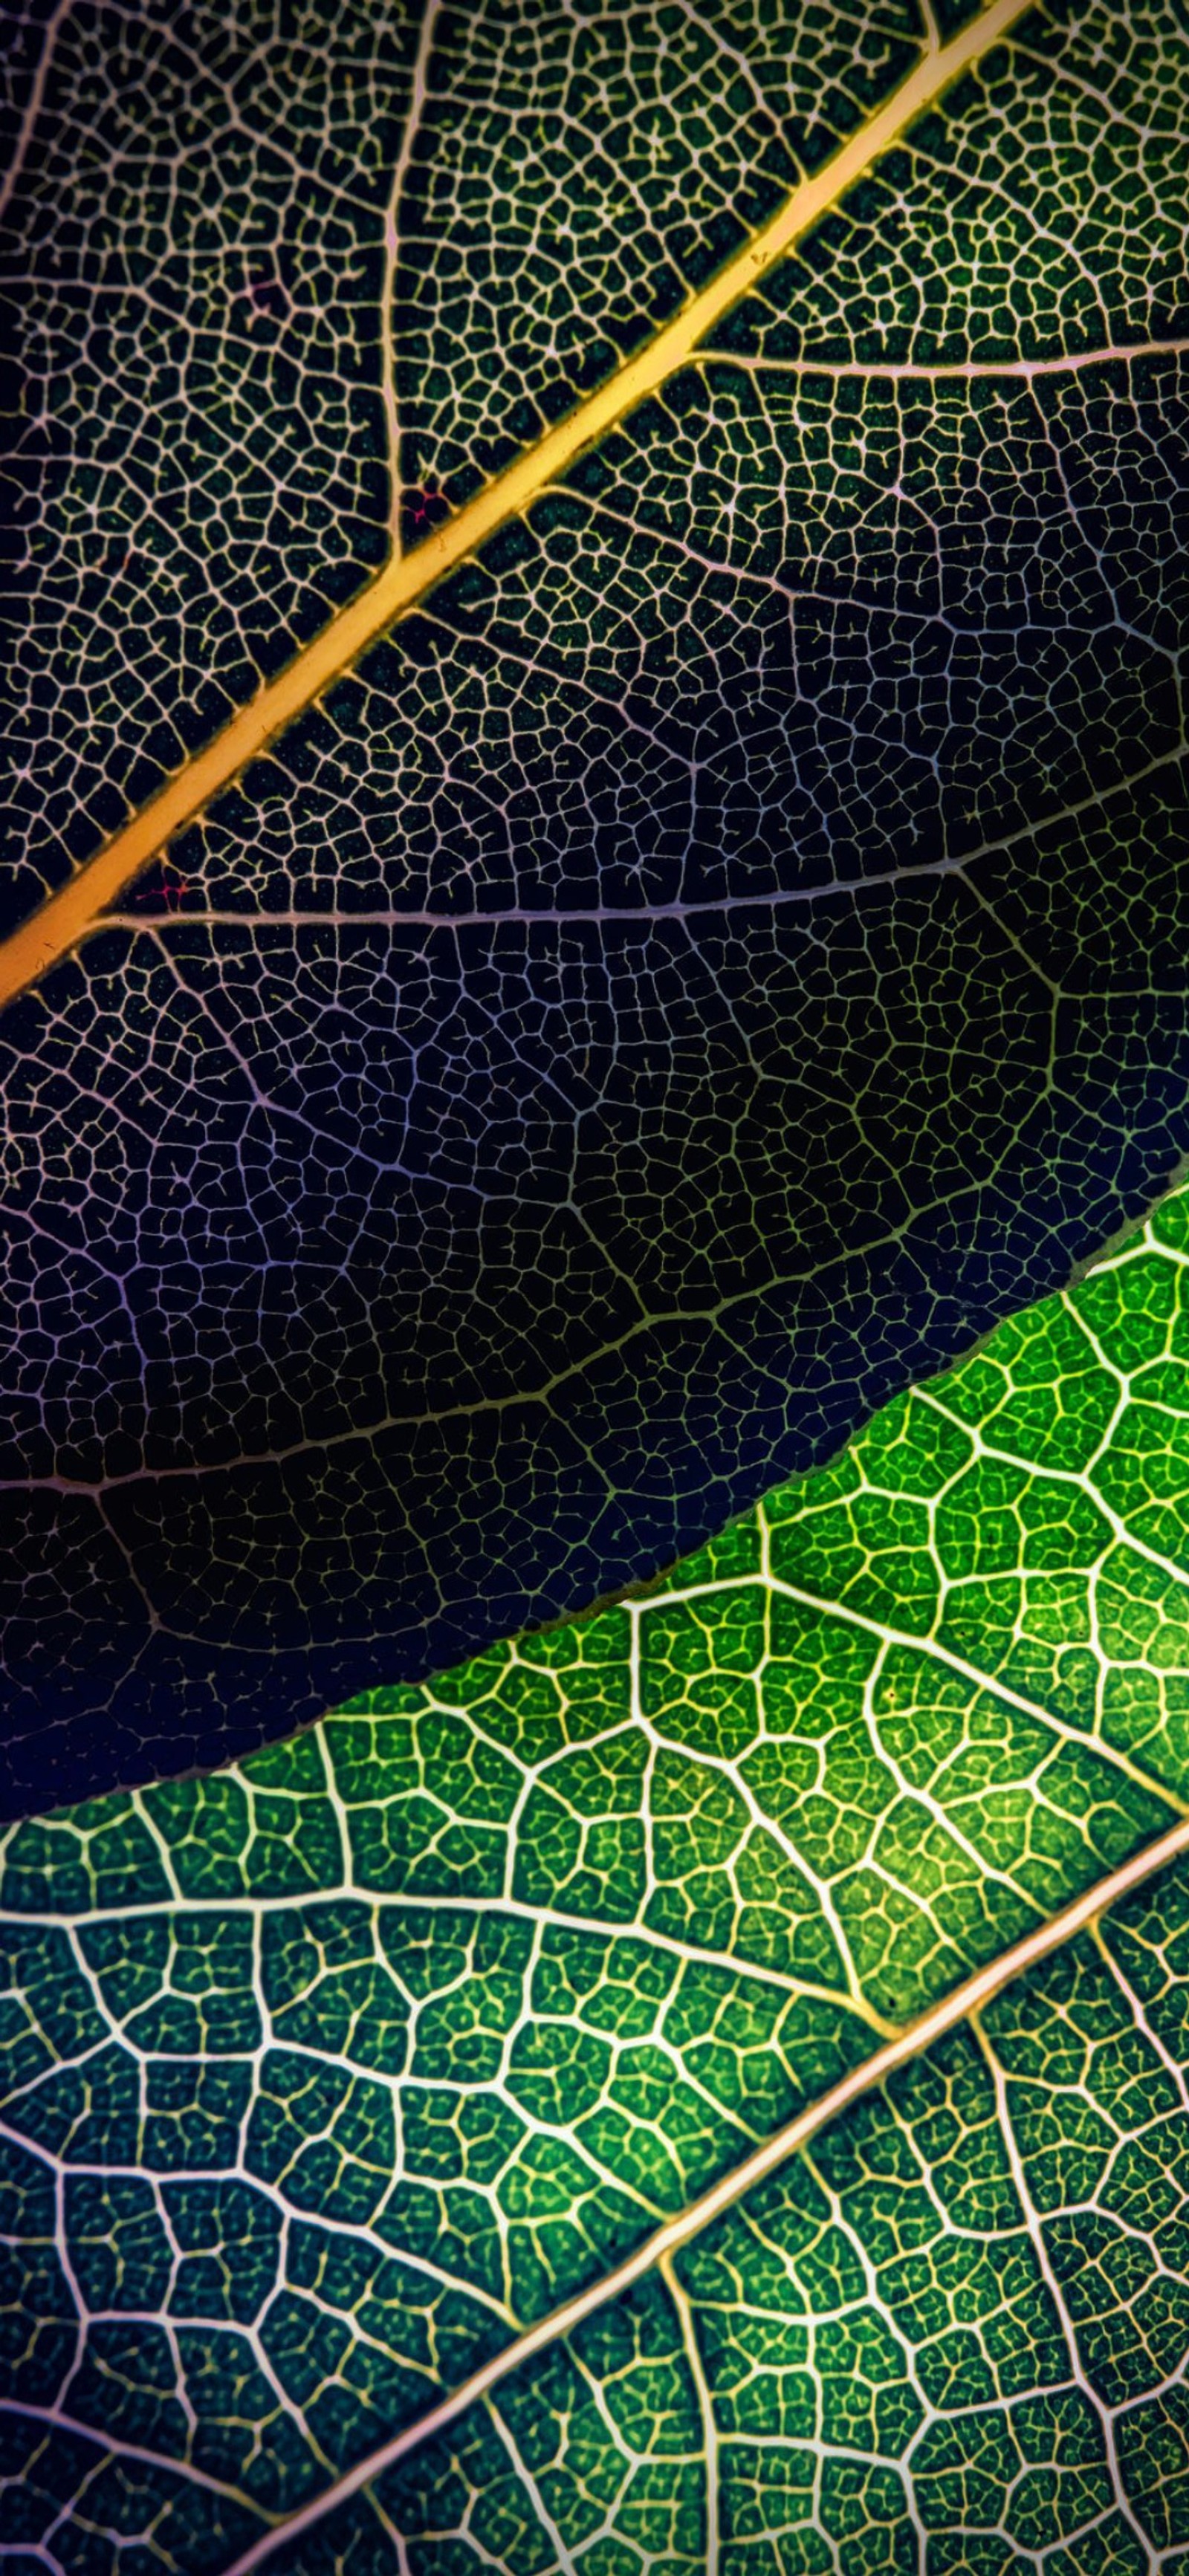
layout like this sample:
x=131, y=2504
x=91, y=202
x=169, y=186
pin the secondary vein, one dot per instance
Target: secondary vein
x=76, y=910
x=657, y=2250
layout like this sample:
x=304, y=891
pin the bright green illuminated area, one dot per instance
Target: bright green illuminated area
x=328, y=2076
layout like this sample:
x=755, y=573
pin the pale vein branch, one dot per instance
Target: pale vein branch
x=656, y=2250
x=75, y=910
x=417, y=102
x=705, y=2399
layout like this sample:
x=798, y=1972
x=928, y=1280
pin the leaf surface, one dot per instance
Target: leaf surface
x=952, y=2335
x=703, y=2087
x=706, y=963
x=525, y=2031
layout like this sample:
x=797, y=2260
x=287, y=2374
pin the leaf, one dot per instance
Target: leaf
x=492, y=2129
x=743, y=2027
x=953, y=2334
x=64, y=920
x=710, y=960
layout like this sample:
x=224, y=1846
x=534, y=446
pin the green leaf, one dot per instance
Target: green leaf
x=951, y=2334
x=645, y=967
x=633, y=556
x=721, y=2061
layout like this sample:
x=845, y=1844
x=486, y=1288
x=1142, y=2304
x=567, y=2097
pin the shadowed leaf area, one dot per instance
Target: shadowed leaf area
x=710, y=963
x=700, y=970
x=330, y=2075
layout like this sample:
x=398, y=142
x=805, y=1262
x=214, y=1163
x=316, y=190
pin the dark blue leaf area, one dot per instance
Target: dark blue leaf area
x=269, y=257
x=195, y=438
x=720, y=956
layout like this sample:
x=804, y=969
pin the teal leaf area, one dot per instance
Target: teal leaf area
x=339, y=2078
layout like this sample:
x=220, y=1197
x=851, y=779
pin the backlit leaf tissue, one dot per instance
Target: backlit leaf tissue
x=594, y=1875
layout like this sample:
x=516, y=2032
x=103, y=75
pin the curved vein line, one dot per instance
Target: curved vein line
x=712, y=1316
x=33, y=104
x=404, y=161
x=933, y=1648
x=961, y=370
x=74, y=912
x=58, y=2420
x=705, y=2404
x=791, y=1985
x=679, y=908
x=658, y=2249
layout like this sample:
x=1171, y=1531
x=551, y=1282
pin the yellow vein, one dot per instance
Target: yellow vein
x=75, y=911
x=657, y=2250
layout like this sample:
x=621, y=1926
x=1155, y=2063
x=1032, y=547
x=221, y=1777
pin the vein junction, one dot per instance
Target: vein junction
x=548, y=1992
x=75, y=910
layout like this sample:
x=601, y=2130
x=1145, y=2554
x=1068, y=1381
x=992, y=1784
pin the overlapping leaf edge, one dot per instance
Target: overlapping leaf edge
x=51, y=1866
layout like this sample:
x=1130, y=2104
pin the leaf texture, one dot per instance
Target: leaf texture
x=331, y=2078
x=709, y=961
x=953, y=2336
x=249, y=341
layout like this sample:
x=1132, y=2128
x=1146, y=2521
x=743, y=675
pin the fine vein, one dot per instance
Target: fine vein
x=75, y=911
x=657, y=2250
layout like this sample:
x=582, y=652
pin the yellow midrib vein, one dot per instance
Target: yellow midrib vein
x=68, y=916
x=963, y=2002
